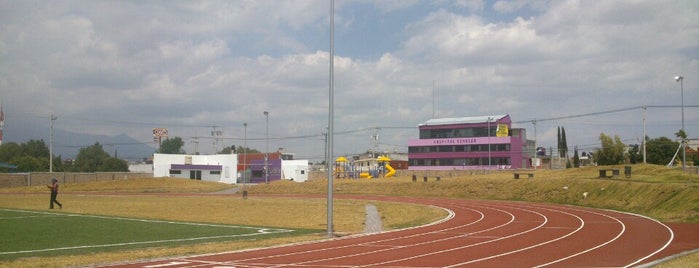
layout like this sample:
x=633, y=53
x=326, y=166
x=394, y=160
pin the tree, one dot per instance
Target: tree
x=562, y=142
x=115, y=165
x=661, y=150
x=172, y=146
x=28, y=164
x=634, y=154
x=91, y=159
x=558, y=139
x=246, y=150
x=9, y=150
x=576, y=158
x=30, y=156
x=612, y=151
x=35, y=148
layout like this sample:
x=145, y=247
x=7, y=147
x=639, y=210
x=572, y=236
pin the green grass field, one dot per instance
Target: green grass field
x=41, y=233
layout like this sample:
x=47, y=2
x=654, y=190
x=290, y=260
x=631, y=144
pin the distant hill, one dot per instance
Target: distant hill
x=124, y=146
x=67, y=144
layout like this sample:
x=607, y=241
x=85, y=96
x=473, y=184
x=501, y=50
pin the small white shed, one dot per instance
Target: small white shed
x=296, y=170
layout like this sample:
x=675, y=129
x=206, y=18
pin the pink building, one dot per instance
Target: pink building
x=481, y=142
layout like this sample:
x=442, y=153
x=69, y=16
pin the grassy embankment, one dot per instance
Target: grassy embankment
x=662, y=193
x=656, y=191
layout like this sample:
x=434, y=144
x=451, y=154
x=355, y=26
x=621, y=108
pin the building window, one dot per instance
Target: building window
x=175, y=171
x=215, y=172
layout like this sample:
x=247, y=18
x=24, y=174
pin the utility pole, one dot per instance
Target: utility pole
x=331, y=122
x=643, y=141
x=215, y=134
x=53, y=118
x=536, y=153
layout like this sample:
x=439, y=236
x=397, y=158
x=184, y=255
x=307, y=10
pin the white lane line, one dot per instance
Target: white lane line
x=672, y=237
x=512, y=219
x=582, y=223
x=446, y=219
x=617, y=219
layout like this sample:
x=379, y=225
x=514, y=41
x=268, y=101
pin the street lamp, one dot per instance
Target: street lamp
x=266, y=169
x=53, y=118
x=245, y=153
x=684, y=159
x=489, y=118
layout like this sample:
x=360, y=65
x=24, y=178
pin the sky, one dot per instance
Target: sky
x=199, y=67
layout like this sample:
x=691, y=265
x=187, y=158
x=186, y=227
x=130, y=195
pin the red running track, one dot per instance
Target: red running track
x=479, y=234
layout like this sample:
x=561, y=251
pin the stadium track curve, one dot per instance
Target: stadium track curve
x=477, y=233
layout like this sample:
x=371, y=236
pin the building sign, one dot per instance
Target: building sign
x=159, y=133
x=459, y=141
x=454, y=141
x=502, y=130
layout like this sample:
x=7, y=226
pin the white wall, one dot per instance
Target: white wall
x=141, y=168
x=295, y=169
x=228, y=163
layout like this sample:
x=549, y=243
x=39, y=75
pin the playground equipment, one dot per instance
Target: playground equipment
x=341, y=167
x=385, y=161
x=345, y=169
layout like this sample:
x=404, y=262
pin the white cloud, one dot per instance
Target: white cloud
x=222, y=63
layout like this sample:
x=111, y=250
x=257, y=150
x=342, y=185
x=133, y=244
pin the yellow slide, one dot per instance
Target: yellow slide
x=391, y=171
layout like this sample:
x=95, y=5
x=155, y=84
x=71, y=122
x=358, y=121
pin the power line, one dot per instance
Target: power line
x=600, y=113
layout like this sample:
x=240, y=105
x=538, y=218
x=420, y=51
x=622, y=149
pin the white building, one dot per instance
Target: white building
x=295, y=170
x=218, y=168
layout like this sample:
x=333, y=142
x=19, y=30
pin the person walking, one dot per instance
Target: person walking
x=54, y=193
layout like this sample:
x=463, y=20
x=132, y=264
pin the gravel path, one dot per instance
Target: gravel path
x=372, y=224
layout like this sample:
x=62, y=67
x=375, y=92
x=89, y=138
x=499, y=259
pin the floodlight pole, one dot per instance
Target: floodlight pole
x=331, y=115
x=489, y=157
x=266, y=169
x=245, y=153
x=684, y=151
x=53, y=118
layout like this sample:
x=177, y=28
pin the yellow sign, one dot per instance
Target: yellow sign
x=502, y=131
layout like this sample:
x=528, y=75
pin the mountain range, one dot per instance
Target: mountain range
x=67, y=144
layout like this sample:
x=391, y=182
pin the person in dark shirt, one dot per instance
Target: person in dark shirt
x=54, y=193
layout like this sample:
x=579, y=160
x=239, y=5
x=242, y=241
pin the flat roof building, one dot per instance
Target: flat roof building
x=479, y=142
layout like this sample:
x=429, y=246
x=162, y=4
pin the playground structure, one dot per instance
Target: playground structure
x=344, y=169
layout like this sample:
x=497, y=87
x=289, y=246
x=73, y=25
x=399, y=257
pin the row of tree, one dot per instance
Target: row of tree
x=174, y=146
x=659, y=151
x=33, y=156
x=613, y=151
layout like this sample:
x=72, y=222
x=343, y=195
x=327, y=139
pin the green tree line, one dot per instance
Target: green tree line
x=33, y=156
x=659, y=151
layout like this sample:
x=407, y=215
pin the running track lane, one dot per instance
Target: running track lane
x=477, y=234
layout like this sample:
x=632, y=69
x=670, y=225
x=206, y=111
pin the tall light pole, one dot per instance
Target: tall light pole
x=245, y=152
x=331, y=122
x=53, y=118
x=489, y=118
x=536, y=153
x=684, y=159
x=266, y=169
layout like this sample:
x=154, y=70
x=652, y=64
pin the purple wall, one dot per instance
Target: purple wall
x=275, y=170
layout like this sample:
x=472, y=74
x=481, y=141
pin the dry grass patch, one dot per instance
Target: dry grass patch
x=303, y=213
